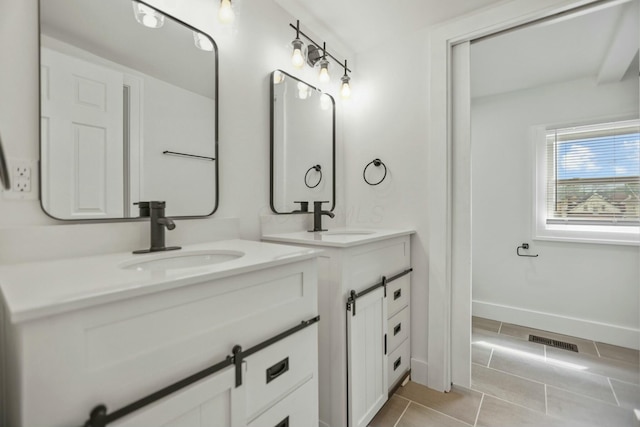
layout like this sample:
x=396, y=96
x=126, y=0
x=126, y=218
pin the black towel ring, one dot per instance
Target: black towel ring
x=377, y=163
x=317, y=168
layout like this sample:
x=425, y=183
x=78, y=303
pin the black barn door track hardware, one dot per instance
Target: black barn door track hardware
x=524, y=246
x=353, y=295
x=376, y=163
x=99, y=417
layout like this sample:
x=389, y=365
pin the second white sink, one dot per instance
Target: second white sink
x=180, y=260
x=348, y=233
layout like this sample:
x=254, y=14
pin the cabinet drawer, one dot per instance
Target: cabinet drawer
x=298, y=409
x=276, y=370
x=398, y=329
x=398, y=294
x=399, y=362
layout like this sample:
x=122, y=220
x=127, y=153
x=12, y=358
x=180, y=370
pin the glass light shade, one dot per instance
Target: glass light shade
x=324, y=71
x=345, y=87
x=147, y=16
x=297, y=57
x=226, y=14
x=202, y=42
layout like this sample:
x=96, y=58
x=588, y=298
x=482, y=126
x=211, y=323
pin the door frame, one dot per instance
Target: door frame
x=450, y=324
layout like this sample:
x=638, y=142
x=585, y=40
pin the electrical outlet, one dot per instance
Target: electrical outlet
x=22, y=175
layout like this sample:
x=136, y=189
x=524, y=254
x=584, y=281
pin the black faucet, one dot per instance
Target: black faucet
x=155, y=211
x=317, y=216
x=304, y=208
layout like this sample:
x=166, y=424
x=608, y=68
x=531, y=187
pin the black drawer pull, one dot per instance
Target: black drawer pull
x=275, y=371
x=397, y=363
x=397, y=294
x=397, y=329
x=283, y=423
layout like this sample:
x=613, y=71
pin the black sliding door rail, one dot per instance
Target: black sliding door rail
x=99, y=417
x=353, y=295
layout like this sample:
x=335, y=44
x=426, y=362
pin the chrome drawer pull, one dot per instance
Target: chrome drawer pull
x=396, y=364
x=397, y=294
x=397, y=329
x=276, y=370
x=283, y=423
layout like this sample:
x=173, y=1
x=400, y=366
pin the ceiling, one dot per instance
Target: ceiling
x=568, y=49
x=109, y=30
x=363, y=24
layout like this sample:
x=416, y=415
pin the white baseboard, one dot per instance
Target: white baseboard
x=581, y=328
x=419, y=371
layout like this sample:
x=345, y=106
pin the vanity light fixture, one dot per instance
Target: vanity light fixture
x=345, y=87
x=316, y=55
x=226, y=15
x=202, y=42
x=324, y=66
x=297, y=56
x=146, y=15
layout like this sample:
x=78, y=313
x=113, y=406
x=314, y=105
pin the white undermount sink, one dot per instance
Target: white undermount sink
x=180, y=260
x=348, y=233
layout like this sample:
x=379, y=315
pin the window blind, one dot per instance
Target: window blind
x=593, y=174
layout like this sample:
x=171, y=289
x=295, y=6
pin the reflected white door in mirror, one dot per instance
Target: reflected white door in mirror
x=128, y=111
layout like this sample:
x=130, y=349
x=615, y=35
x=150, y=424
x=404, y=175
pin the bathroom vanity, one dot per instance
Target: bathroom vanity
x=114, y=329
x=363, y=299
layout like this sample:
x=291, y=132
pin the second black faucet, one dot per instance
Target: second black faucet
x=317, y=216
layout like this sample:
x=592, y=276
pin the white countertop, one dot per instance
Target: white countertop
x=38, y=289
x=337, y=237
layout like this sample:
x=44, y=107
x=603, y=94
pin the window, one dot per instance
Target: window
x=591, y=182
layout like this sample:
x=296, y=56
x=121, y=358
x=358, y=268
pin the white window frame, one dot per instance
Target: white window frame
x=579, y=233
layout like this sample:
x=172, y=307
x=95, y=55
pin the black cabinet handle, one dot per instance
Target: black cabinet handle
x=283, y=423
x=397, y=329
x=397, y=294
x=276, y=370
x=397, y=363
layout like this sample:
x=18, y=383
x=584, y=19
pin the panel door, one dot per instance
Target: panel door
x=212, y=402
x=82, y=129
x=367, y=359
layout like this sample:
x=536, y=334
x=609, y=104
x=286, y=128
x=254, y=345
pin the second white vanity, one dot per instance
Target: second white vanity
x=119, y=329
x=363, y=299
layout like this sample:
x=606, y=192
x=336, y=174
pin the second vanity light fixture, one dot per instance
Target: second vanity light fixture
x=318, y=55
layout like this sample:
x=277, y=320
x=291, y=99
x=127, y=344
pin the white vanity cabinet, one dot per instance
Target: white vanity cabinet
x=137, y=337
x=359, y=353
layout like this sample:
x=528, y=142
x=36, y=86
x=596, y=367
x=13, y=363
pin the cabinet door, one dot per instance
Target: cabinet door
x=212, y=402
x=367, y=358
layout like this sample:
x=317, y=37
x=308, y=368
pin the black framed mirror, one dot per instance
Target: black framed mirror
x=128, y=108
x=5, y=180
x=303, y=142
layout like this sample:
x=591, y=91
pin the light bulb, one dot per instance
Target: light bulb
x=278, y=77
x=345, y=91
x=297, y=57
x=345, y=88
x=303, y=90
x=225, y=13
x=202, y=42
x=325, y=102
x=147, y=16
x=324, y=71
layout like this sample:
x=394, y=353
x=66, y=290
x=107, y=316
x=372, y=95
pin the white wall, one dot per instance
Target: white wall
x=386, y=119
x=586, y=290
x=258, y=44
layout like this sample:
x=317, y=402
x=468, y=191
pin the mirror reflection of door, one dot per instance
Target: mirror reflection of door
x=126, y=115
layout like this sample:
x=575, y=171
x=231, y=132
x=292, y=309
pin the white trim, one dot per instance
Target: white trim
x=566, y=325
x=419, y=369
x=439, y=165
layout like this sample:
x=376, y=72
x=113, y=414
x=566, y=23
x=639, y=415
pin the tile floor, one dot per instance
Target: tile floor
x=515, y=383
